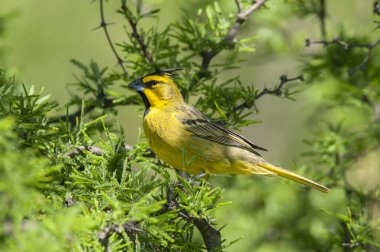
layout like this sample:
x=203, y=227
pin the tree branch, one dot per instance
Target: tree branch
x=346, y=45
x=241, y=17
x=104, y=25
x=211, y=237
x=105, y=103
x=207, y=56
x=322, y=17
x=139, y=38
x=277, y=90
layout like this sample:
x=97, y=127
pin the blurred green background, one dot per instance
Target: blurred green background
x=43, y=35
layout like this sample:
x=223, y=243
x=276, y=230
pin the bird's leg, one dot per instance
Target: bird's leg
x=183, y=174
x=202, y=175
x=194, y=180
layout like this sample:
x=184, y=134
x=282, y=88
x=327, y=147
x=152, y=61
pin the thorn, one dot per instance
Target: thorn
x=307, y=42
x=283, y=78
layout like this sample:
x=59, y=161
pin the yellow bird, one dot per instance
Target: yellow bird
x=186, y=139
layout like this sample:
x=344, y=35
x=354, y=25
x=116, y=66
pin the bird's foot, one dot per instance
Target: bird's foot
x=205, y=176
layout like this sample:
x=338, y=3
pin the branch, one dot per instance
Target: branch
x=241, y=17
x=129, y=228
x=207, y=56
x=322, y=17
x=376, y=8
x=105, y=103
x=99, y=152
x=79, y=150
x=346, y=45
x=211, y=237
x=104, y=25
x=139, y=38
x=277, y=90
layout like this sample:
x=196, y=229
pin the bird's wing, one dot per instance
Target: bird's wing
x=198, y=124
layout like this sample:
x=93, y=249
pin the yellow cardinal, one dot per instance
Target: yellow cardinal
x=187, y=140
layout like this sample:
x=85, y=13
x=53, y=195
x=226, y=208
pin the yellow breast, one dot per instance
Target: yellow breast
x=172, y=143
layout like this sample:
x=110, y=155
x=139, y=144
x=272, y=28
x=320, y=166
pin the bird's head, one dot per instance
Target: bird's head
x=158, y=89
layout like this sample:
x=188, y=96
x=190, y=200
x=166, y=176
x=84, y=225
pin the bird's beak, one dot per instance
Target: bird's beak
x=137, y=85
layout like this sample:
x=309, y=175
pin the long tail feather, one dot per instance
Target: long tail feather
x=295, y=177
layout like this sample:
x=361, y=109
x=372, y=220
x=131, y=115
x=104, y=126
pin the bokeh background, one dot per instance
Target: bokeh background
x=43, y=35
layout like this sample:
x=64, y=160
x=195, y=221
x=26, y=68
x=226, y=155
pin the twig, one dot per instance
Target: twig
x=207, y=56
x=129, y=228
x=277, y=90
x=336, y=41
x=241, y=17
x=104, y=25
x=376, y=7
x=238, y=5
x=79, y=150
x=71, y=118
x=99, y=152
x=322, y=17
x=139, y=38
x=103, y=103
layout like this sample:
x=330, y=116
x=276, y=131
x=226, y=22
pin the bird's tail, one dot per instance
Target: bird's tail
x=292, y=176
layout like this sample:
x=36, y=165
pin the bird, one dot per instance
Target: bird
x=184, y=138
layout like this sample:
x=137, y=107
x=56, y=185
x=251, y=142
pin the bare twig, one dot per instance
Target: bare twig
x=104, y=25
x=322, y=17
x=346, y=45
x=277, y=90
x=238, y=5
x=376, y=7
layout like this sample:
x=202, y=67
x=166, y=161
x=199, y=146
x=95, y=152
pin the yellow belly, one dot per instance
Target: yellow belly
x=172, y=143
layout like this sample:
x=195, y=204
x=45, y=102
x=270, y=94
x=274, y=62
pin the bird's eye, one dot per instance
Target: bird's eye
x=151, y=83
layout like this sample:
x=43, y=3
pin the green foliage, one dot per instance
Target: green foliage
x=70, y=182
x=93, y=192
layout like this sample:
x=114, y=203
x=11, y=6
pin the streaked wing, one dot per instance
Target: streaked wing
x=199, y=125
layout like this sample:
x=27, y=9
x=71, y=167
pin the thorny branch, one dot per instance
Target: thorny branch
x=105, y=103
x=211, y=237
x=277, y=90
x=207, y=56
x=139, y=38
x=99, y=152
x=104, y=26
x=241, y=17
x=129, y=228
x=346, y=45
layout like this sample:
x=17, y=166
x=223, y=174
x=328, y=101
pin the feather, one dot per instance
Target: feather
x=198, y=124
x=295, y=177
